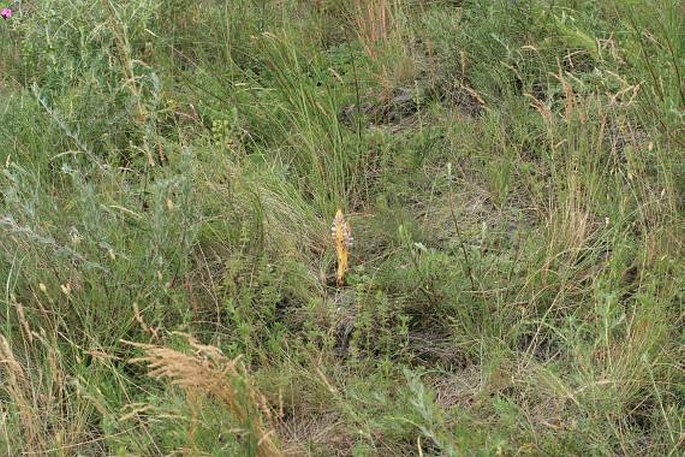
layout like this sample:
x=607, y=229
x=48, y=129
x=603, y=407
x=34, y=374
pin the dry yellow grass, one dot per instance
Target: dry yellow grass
x=373, y=22
x=208, y=371
x=16, y=387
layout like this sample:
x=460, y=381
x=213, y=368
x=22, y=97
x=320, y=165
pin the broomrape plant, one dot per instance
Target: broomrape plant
x=342, y=237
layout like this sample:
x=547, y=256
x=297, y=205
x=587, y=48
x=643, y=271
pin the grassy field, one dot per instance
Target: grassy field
x=512, y=173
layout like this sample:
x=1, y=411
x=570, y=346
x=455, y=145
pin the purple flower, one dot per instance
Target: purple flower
x=6, y=13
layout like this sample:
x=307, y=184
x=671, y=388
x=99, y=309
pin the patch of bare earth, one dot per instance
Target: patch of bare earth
x=305, y=432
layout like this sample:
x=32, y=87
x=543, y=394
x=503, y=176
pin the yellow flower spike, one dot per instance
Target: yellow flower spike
x=343, y=240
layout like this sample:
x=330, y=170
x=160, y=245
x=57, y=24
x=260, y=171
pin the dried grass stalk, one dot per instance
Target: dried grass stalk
x=18, y=388
x=209, y=371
